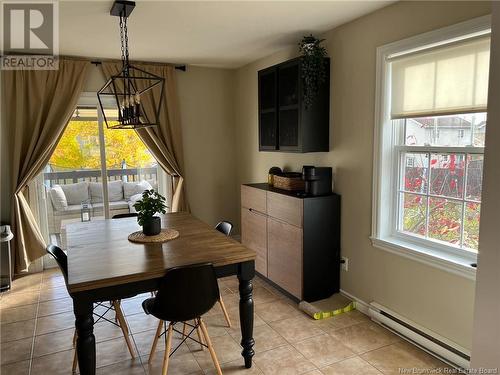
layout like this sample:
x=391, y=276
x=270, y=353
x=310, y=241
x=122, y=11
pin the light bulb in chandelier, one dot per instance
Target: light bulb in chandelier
x=126, y=115
x=138, y=106
x=132, y=109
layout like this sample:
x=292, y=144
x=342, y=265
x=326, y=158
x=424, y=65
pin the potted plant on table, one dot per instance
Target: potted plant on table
x=151, y=204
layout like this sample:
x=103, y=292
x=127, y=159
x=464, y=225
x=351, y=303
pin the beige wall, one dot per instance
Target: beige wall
x=438, y=300
x=206, y=97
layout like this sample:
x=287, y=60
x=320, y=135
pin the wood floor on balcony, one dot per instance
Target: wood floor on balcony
x=37, y=329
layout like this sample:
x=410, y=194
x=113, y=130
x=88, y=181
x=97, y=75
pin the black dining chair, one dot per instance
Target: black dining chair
x=122, y=216
x=224, y=227
x=62, y=260
x=185, y=294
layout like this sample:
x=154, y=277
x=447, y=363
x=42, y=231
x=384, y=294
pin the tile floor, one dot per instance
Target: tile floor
x=37, y=330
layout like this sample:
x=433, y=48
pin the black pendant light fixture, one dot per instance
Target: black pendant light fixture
x=130, y=84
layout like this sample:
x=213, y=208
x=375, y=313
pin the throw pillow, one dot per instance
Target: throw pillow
x=134, y=198
x=96, y=192
x=115, y=191
x=76, y=193
x=132, y=188
x=58, y=198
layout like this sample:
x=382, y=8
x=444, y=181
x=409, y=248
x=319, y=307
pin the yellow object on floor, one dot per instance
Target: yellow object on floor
x=326, y=308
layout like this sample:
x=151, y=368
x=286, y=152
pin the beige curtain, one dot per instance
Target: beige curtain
x=38, y=105
x=164, y=140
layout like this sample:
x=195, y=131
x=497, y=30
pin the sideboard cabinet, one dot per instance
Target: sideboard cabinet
x=297, y=239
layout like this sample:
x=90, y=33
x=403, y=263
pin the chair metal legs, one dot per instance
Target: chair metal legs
x=198, y=332
x=184, y=328
x=226, y=315
x=203, y=336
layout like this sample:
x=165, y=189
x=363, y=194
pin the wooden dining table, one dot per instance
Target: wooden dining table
x=104, y=265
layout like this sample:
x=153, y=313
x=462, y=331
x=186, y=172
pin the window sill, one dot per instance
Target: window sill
x=456, y=264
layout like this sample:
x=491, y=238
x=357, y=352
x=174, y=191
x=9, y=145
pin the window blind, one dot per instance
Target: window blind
x=442, y=80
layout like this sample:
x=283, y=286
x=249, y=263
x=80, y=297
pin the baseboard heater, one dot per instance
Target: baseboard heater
x=434, y=344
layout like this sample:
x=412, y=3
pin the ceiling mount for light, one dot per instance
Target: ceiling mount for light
x=131, y=83
x=122, y=8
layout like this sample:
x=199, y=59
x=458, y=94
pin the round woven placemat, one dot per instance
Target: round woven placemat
x=164, y=236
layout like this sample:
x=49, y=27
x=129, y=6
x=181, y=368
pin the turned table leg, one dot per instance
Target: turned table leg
x=85, y=342
x=245, y=275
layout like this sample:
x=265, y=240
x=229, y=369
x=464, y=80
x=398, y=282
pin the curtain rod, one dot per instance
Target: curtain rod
x=177, y=67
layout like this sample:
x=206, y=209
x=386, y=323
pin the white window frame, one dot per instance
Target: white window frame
x=385, y=176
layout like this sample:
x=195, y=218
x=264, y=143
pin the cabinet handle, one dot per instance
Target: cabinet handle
x=281, y=221
x=257, y=212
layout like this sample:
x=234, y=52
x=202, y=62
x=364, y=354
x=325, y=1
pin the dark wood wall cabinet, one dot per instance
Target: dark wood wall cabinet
x=297, y=240
x=285, y=123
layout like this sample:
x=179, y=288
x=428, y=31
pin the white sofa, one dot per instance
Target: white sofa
x=64, y=201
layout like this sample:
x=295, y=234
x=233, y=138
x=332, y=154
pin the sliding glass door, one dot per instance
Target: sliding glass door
x=93, y=174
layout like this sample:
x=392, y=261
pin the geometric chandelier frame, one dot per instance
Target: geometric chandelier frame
x=140, y=119
x=128, y=86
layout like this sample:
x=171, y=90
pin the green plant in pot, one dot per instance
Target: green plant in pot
x=313, y=67
x=151, y=204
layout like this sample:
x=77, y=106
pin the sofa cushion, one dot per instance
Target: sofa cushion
x=115, y=191
x=76, y=193
x=116, y=205
x=132, y=188
x=71, y=209
x=58, y=198
x=134, y=198
x=96, y=209
x=96, y=194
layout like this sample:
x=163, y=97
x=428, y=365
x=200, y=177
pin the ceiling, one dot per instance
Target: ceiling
x=211, y=33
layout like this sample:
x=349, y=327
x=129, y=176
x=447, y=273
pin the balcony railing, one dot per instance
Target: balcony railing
x=94, y=175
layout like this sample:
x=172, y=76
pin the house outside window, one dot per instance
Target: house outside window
x=430, y=131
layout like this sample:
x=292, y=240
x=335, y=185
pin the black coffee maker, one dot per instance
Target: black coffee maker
x=318, y=180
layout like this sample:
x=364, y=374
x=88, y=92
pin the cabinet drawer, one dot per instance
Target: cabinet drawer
x=284, y=244
x=285, y=208
x=253, y=198
x=254, y=236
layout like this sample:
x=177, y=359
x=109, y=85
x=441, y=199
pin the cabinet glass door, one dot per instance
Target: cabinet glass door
x=267, y=110
x=288, y=88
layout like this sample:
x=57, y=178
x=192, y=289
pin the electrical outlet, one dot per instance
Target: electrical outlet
x=345, y=264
